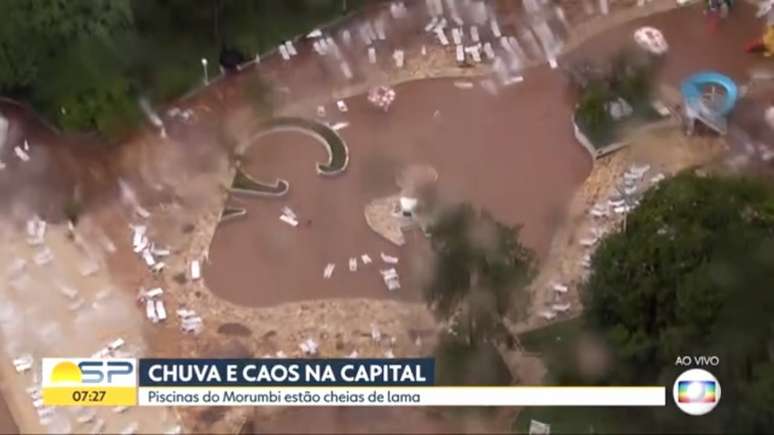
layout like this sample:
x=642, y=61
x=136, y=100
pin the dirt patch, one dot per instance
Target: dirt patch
x=234, y=329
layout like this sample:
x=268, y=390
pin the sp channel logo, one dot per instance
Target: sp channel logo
x=89, y=372
x=696, y=392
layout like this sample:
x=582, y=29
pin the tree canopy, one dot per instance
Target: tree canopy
x=692, y=274
x=480, y=268
x=85, y=63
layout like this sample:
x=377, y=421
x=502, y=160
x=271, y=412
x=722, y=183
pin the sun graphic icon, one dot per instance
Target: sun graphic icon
x=66, y=371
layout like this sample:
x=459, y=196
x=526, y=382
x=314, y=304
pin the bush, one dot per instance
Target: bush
x=460, y=363
x=72, y=210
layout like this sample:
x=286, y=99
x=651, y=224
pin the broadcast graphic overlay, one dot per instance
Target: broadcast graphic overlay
x=696, y=392
x=301, y=382
x=89, y=382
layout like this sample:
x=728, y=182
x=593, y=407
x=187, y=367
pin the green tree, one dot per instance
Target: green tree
x=35, y=32
x=480, y=268
x=691, y=275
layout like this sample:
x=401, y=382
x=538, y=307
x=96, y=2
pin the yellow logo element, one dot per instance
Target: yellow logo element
x=66, y=371
x=89, y=381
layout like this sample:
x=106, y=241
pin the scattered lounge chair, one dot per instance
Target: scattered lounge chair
x=328, y=271
x=474, y=34
x=116, y=344
x=161, y=311
x=353, y=264
x=196, y=271
x=154, y=293
x=389, y=259
x=309, y=347
x=150, y=311
x=284, y=52
x=456, y=36
x=290, y=48
x=489, y=51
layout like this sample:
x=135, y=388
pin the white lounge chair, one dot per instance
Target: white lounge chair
x=561, y=308
x=24, y=157
x=392, y=283
x=460, y=54
x=489, y=51
x=139, y=247
x=365, y=259
x=154, y=293
x=456, y=36
x=346, y=70
x=442, y=37
x=441, y=24
x=389, y=259
x=547, y=314
x=353, y=355
x=116, y=344
x=339, y=126
x=388, y=354
x=161, y=311
x=284, y=52
x=353, y=264
x=389, y=273
x=474, y=34
x=376, y=334
x=342, y=106
x=328, y=271
x=141, y=212
x=399, y=58
x=291, y=48
x=159, y=252
x=588, y=241
x=512, y=80
x=184, y=313
x=559, y=288
x=148, y=257
x=309, y=346
x=495, y=29
x=475, y=53
x=321, y=111
x=120, y=409
x=431, y=25
x=371, y=55
x=379, y=27
x=196, y=271
x=150, y=311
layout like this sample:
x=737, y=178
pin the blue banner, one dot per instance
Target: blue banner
x=285, y=372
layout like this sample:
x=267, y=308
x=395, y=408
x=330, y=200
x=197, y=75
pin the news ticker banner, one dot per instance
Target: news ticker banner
x=298, y=382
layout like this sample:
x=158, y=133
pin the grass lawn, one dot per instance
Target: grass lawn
x=577, y=420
